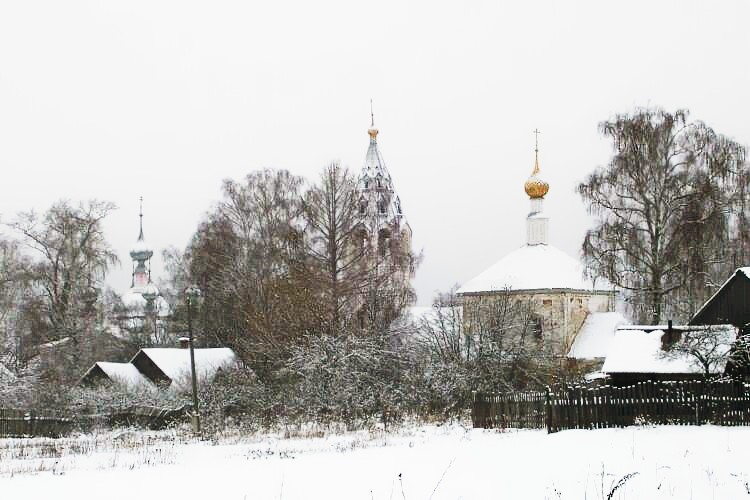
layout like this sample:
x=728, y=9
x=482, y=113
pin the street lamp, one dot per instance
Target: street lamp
x=150, y=294
x=192, y=293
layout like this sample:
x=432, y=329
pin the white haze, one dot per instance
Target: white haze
x=164, y=99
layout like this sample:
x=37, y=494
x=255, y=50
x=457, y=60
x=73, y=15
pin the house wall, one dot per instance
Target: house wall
x=94, y=376
x=147, y=367
x=731, y=305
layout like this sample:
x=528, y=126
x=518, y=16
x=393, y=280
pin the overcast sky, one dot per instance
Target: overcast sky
x=164, y=99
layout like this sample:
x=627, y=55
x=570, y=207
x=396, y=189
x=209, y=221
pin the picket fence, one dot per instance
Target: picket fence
x=723, y=402
x=47, y=423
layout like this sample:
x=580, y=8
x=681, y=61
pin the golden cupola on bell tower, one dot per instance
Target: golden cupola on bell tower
x=535, y=187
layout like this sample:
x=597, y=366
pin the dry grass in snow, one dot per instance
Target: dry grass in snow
x=411, y=462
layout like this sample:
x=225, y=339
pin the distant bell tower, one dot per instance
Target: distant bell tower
x=384, y=237
x=380, y=210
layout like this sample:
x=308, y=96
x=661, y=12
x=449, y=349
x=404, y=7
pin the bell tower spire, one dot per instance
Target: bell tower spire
x=140, y=216
x=372, y=131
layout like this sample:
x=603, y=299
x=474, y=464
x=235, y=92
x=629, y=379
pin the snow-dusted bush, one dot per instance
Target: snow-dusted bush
x=235, y=397
x=349, y=378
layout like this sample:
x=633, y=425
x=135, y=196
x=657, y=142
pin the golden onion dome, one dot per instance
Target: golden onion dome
x=534, y=186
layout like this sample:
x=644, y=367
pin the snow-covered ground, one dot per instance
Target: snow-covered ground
x=417, y=462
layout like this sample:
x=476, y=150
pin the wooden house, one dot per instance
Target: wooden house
x=162, y=367
x=729, y=305
x=640, y=353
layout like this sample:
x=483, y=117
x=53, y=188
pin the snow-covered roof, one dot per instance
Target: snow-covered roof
x=638, y=351
x=141, y=247
x=133, y=299
x=124, y=373
x=175, y=362
x=533, y=267
x=596, y=334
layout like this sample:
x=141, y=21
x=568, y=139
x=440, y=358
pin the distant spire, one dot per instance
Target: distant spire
x=536, y=151
x=140, y=215
x=372, y=131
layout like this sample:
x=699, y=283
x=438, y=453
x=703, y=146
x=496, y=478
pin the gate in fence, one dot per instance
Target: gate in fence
x=683, y=403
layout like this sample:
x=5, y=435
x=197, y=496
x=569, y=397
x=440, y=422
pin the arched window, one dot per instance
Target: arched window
x=382, y=208
x=362, y=206
x=384, y=239
x=360, y=238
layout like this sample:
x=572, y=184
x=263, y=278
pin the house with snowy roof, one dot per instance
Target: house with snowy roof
x=552, y=281
x=639, y=353
x=162, y=367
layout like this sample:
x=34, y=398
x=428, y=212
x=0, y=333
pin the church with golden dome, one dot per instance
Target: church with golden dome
x=552, y=282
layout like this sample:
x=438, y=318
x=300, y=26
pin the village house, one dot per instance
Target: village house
x=640, y=353
x=162, y=367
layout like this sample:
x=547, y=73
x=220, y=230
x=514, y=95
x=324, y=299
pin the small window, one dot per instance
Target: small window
x=535, y=323
x=547, y=302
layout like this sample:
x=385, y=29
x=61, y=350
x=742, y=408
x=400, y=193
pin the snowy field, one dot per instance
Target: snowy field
x=414, y=462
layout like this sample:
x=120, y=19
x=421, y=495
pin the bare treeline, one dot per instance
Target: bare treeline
x=278, y=263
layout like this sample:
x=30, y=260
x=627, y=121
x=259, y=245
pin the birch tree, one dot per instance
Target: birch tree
x=671, y=211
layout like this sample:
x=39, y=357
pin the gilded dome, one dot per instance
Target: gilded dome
x=536, y=187
x=373, y=132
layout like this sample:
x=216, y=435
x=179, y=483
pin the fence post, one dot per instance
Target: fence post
x=29, y=423
x=475, y=410
x=548, y=410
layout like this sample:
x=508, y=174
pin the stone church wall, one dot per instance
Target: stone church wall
x=562, y=313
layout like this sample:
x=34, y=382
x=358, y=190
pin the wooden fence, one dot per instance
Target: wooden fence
x=33, y=423
x=683, y=403
x=19, y=423
x=521, y=410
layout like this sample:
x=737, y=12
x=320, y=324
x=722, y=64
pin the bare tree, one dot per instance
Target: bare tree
x=246, y=257
x=671, y=209
x=707, y=346
x=72, y=255
x=487, y=346
x=15, y=291
x=335, y=250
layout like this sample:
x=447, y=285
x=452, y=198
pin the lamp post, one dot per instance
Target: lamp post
x=150, y=294
x=191, y=296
